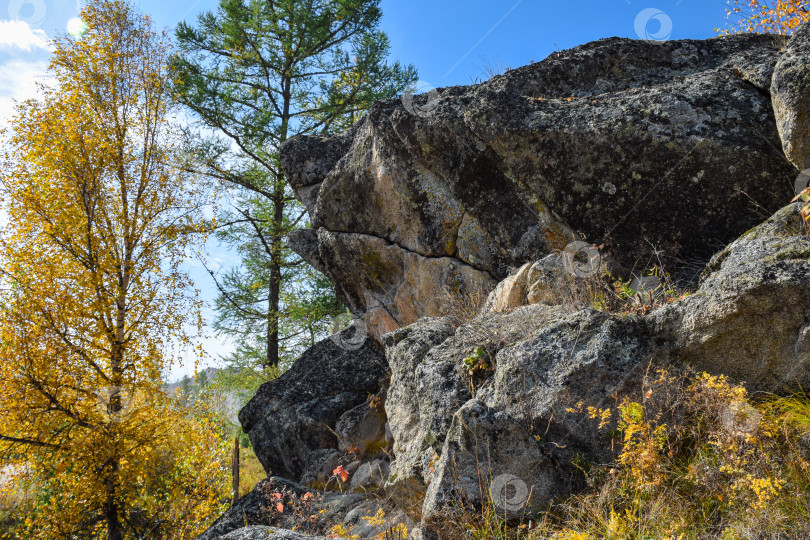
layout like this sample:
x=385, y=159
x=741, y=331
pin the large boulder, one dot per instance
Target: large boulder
x=493, y=400
x=750, y=317
x=494, y=403
x=626, y=143
x=296, y=414
x=790, y=93
x=436, y=367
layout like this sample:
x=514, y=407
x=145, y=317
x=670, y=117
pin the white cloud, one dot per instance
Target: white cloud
x=19, y=35
x=19, y=82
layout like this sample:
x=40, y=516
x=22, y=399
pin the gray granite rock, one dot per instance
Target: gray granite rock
x=790, y=93
x=515, y=423
x=260, y=532
x=625, y=143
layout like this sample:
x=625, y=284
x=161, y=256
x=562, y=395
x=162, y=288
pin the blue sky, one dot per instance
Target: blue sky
x=450, y=42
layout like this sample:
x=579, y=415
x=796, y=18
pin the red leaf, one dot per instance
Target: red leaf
x=341, y=472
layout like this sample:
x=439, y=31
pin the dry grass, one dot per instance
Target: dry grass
x=251, y=471
x=699, y=459
x=574, y=292
x=465, y=302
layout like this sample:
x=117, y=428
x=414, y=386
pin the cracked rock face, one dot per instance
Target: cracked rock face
x=459, y=431
x=625, y=143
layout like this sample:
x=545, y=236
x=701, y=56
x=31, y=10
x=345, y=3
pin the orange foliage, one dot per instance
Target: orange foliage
x=763, y=16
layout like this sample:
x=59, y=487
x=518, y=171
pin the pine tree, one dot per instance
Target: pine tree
x=257, y=73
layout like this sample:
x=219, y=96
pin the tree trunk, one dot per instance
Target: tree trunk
x=235, y=470
x=272, y=322
x=277, y=240
x=114, y=529
x=275, y=279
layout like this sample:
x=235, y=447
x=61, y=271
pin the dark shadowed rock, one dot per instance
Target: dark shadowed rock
x=249, y=510
x=622, y=142
x=361, y=430
x=790, y=92
x=293, y=415
x=320, y=464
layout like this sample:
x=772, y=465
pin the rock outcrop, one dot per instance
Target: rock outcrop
x=489, y=408
x=491, y=401
x=492, y=188
x=790, y=91
x=626, y=143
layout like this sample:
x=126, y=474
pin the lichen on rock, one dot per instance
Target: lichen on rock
x=624, y=143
